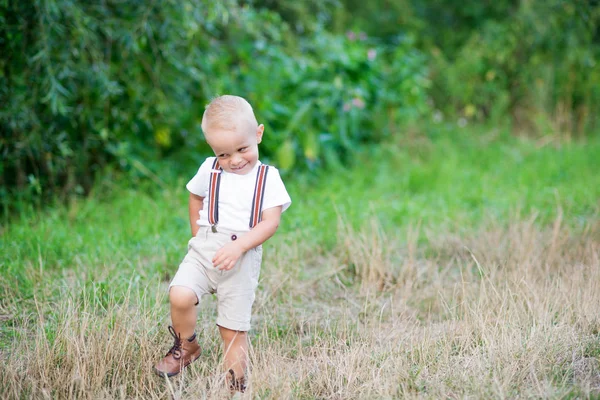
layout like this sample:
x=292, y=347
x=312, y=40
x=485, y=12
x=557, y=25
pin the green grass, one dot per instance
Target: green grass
x=106, y=259
x=451, y=181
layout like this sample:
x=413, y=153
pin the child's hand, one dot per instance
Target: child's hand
x=227, y=256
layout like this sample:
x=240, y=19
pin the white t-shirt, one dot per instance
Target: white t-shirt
x=236, y=193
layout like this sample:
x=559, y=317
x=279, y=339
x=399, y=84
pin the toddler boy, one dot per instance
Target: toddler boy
x=235, y=205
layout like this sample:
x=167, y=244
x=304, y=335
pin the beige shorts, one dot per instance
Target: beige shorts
x=234, y=288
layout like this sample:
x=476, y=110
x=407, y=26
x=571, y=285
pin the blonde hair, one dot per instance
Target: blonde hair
x=229, y=113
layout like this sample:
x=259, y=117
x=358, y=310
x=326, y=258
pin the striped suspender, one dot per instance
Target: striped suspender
x=213, y=192
x=257, y=201
x=259, y=195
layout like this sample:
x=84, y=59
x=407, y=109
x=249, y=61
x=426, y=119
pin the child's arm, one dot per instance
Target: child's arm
x=227, y=256
x=194, y=206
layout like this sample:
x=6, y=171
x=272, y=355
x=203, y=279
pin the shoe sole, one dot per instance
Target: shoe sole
x=172, y=374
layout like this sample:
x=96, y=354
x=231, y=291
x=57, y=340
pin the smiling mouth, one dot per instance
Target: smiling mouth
x=239, y=168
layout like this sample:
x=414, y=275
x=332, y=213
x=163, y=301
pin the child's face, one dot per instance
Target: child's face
x=236, y=150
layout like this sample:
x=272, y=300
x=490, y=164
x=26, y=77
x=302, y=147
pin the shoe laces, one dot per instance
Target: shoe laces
x=238, y=384
x=176, y=349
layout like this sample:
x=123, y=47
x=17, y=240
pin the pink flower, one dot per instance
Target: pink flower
x=347, y=107
x=351, y=35
x=371, y=54
x=358, y=103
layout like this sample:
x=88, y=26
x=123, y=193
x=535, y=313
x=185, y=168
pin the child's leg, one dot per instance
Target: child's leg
x=236, y=351
x=185, y=347
x=183, y=310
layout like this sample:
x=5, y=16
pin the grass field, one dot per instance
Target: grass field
x=457, y=264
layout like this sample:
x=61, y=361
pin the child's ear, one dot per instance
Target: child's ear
x=259, y=133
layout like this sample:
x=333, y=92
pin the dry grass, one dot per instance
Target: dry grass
x=505, y=312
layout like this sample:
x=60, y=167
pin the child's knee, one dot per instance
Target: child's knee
x=182, y=297
x=229, y=335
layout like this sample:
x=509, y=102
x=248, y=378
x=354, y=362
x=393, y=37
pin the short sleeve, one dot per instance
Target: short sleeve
x=275, y=192
x=198, y=185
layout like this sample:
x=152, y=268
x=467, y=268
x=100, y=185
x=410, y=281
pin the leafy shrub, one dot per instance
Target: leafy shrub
x=85, y=85
x=332, y=94
x=532, y=61
x=536, y=64
x=88, y=86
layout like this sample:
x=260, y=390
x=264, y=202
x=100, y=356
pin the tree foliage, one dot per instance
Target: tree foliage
x=82, y=82
x=86, y=86
x=89, y=85
x=535, y=61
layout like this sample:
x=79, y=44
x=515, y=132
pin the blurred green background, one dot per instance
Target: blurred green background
x=413, y=134
x=116, y=89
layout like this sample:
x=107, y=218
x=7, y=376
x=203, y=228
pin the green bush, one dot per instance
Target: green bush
x=540, y=69
x=534, y=62
x=85, y=85
x=331, y=95
x=90, y=86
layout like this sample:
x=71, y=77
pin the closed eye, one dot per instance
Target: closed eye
x=242, y=149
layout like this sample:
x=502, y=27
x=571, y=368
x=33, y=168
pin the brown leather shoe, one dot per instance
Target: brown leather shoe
x=236, y=384
x=182, y=354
